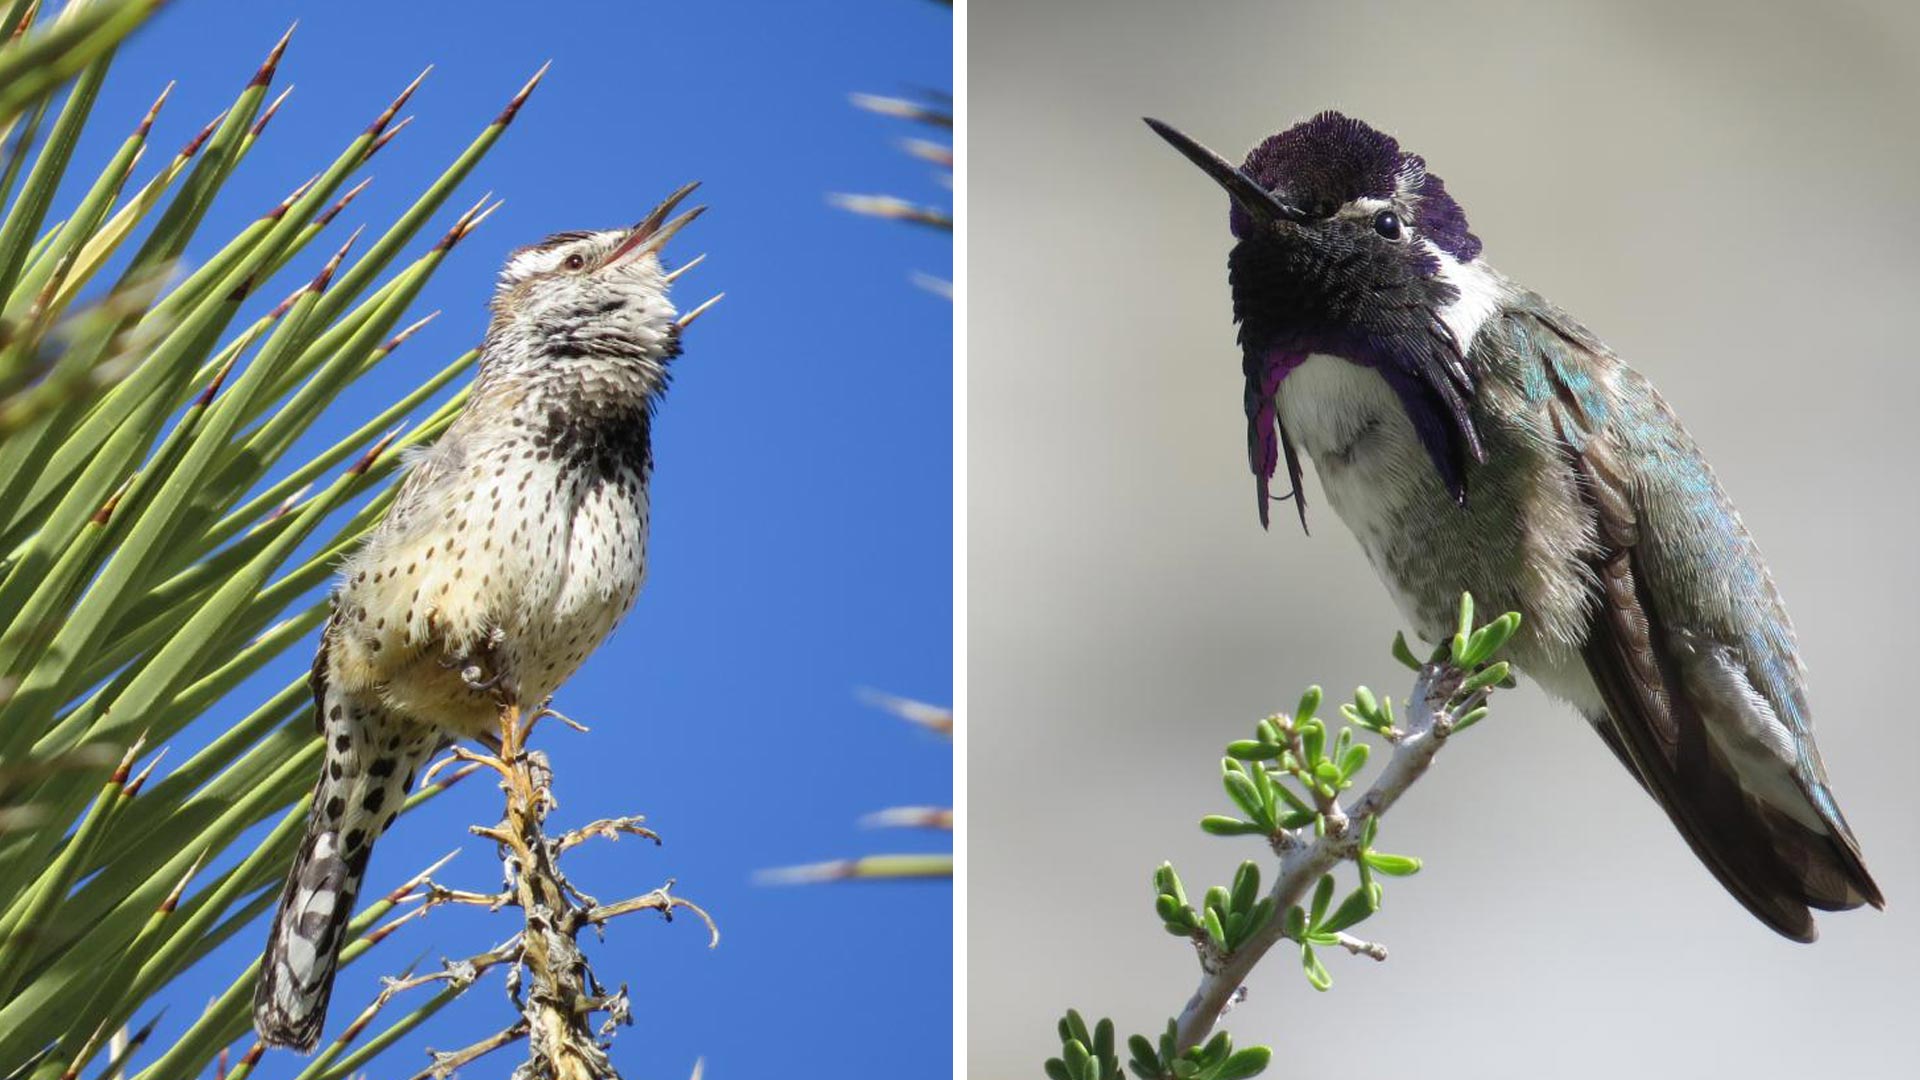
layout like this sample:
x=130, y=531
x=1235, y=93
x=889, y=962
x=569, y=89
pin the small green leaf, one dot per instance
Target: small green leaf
x=1245, y=1062
x=1246, y=887
x=1057, y=1070
x=1145, y=1062
x=1079, y=1062
x=1355, y=909
x=1171, y=911
x=1309, y=704
x=1322, y=896
x=1364, y=700
x=1242, y=792
x=1078, y=1024
x=1167, y=880
x=1293, y=800
x=1216, y=932
x=1296, y=924
x=1251, y=750
x=1316, y=971
x=1313, y=741
x=1144, y=1056
x=1391, y=865
x=1471, y=718
x=1490, y=675
x=1354, y=760
x=1261, y=915
x=1404, y=654
x=1220, y=825
x=1216, y=1049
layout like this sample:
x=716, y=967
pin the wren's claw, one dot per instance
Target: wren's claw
x=476, y=678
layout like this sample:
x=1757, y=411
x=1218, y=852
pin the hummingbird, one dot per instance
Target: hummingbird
x=514, y=545
x=1476, y=438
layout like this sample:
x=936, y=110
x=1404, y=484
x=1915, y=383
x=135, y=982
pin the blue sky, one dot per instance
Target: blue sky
x=802, y=505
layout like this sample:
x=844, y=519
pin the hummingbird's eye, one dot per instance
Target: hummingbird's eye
x=1387, y=224
x=575, y=261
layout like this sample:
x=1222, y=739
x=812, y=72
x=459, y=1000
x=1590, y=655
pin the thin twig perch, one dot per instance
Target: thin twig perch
x=1431, y=715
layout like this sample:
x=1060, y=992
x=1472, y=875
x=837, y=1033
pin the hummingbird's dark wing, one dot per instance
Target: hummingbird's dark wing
x=1690, y=646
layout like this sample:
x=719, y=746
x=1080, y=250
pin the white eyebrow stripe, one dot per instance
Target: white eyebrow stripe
x=536, y=260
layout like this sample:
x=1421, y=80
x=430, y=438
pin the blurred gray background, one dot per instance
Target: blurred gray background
x=1729, y=194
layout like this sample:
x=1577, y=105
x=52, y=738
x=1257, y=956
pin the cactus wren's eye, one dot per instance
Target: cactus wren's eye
x=514, y=545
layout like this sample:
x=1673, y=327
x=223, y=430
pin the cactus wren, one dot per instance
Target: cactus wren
x=515, y=544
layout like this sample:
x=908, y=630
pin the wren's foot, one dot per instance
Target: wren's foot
x=477, y=678
x=472, y=672
x=482, y=676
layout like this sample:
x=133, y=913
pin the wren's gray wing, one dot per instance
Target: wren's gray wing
x=1690, y=646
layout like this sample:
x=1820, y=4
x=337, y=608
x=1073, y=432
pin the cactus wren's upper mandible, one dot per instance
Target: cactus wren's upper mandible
x=516, y=543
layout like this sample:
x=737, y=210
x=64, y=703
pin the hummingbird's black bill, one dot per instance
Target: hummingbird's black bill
x=1265, y=206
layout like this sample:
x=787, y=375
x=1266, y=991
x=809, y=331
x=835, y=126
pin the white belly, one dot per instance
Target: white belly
x=1520, y=544
x=1370, y=462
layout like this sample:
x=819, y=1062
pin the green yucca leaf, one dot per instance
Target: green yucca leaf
x=382, y=251
x=55, y=254
x=106, y=240
x=29, y=210
x=93, y=926
x=351, y=1063
x=78, y=1045
x=185, y=315
x=22, y=934
x=149, y=528
x=338, y=368
x=865, y=867
x=213, y=771
x=227, y=1018
x=170, y=234
x=35, y=64
x=185, y=939
x=196, y=638
x=251, y=512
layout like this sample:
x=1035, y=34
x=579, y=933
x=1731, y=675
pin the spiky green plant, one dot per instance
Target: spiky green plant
x=932, y=109
x=935, y=719
x=154, y=530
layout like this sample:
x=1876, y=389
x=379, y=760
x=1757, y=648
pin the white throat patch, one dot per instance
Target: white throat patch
x=1481, y=291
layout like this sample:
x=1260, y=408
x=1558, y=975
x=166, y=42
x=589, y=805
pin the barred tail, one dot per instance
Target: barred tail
x=370, y=764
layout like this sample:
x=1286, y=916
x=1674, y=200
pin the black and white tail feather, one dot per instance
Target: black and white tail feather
x=371, y=761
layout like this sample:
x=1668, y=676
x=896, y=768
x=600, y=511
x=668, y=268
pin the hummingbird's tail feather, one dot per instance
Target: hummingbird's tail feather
x=371, y=759
x=1825, y=862
x=1698, y=737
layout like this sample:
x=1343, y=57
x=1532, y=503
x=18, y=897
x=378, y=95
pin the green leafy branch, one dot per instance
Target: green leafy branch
x=1289, y=783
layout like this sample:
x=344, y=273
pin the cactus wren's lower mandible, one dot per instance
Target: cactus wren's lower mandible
x=516, y=543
